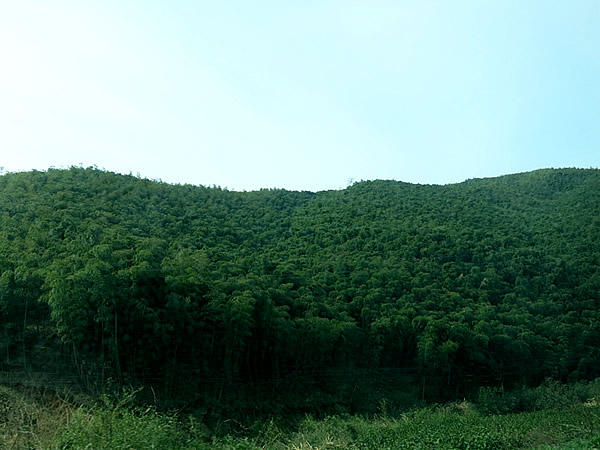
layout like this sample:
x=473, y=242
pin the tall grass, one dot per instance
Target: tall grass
x=30, y=418
x=117, y=424
x=558, y=417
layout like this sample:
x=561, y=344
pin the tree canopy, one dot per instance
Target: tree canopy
x=482, y=282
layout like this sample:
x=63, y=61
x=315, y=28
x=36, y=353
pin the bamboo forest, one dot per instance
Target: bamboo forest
x=279, y=307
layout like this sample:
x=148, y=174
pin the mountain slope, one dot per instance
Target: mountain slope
x=482, y=282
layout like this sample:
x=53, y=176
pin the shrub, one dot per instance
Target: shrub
x=119, y=425
x=551, y=394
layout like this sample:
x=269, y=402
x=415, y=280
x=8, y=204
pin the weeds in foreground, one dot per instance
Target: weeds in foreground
x=29, y=419
x=118, y=424
x=28, y=422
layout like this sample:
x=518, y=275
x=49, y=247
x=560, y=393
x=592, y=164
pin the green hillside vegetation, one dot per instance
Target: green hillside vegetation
x=273, y=301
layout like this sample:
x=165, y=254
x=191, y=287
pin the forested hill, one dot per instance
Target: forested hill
x=481, y=282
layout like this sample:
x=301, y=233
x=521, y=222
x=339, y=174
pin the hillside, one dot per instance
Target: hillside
x=486, y=282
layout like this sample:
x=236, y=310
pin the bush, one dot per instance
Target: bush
x=551, y=394
x=119, y=425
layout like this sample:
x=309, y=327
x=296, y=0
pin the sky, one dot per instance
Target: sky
x=301, y=95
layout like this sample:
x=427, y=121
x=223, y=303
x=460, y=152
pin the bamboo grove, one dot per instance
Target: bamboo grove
x=486, y=282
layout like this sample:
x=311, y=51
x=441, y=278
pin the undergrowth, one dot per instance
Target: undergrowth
x=558, y=417
x=30, y=418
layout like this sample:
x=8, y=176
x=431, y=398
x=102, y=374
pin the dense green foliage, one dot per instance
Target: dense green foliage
x=203, y=292
x=460, y=427
x=560, y=417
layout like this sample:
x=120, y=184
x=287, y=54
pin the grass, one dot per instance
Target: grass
x=30, y=418
x=34, y=420
x=449, y=428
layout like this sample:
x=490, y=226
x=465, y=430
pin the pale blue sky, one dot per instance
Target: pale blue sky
x=300, y=94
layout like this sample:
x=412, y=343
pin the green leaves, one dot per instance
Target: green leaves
x=487, y=281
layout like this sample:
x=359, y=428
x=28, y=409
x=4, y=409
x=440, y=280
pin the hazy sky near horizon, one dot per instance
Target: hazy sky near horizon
x=302, y=95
